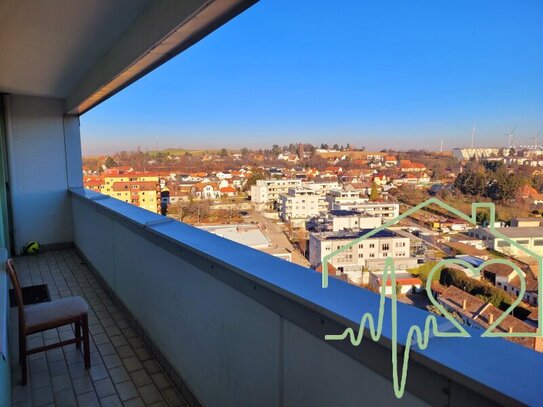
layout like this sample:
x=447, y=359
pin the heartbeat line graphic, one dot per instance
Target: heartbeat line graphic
x=421, y=337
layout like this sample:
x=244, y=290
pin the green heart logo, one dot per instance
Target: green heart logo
x=477, y=271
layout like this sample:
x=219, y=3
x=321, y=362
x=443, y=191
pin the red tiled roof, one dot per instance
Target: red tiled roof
x=92, y=183
x=404, y=281
x=331, y=270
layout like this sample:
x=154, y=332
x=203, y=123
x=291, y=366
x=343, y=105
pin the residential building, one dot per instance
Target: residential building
x=337, y=220
x=138, y=189
x=268, y=191
x=144, y=194
x=531, y=195
x=507, y=279
x=409, y=166
x=339, y=199
x=478, y=314
x=322, y=187
x=206, y=190
x=391, y=161
x=384, y=210
x=466, y=154
x=360, y=256
x=299, y=204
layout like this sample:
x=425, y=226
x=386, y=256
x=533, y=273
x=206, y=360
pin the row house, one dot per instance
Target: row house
x=412, y=179
x=409, y=166
x=478, y=314
x=507, y=279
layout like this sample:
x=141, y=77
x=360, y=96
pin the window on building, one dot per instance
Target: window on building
x=385, y=246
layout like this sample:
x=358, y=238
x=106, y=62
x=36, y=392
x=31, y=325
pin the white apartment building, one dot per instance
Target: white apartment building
x=384, y=210
x=337, y=220
x=322, y=187
x=350, y=201
x=268, y=190
x=300, y=204
x=465, y=154
x=340, y=197
x=364, y=254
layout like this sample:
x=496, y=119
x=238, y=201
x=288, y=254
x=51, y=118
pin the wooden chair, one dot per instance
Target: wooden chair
x=49, y=315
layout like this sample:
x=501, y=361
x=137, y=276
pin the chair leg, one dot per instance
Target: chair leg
x=78, y=334
x=22, y=355
x=22, y=343
x=86, y=350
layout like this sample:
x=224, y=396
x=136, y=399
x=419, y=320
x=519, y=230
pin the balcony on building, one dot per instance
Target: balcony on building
x=180, y=316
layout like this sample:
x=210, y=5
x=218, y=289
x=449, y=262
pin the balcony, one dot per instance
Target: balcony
x=123, y=369
x=234, y=326
x=210, y=321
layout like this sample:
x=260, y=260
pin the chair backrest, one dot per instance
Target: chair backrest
x=10, y=266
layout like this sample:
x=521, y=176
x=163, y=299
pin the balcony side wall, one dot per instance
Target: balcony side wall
x=44, y=157
x=224, y=345
x=228, y=348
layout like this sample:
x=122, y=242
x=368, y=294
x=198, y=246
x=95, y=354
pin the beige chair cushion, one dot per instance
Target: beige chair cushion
x=48, y=315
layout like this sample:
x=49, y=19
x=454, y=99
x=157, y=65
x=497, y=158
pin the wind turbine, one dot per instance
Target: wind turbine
x=536, y=139
x=511, y=136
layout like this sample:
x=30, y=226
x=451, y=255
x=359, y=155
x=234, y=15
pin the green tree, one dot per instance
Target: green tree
x=224, y=153
x=472, y=181
x=110, y=162
x=505, y=185
x=374, y=194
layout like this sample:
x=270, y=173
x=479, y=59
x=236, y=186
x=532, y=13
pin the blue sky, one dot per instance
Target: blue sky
x=379, y=74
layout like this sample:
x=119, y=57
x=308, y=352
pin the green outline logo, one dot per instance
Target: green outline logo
x=422, y=337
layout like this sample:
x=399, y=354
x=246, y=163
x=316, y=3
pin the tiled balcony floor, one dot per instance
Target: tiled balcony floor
x=123, y=372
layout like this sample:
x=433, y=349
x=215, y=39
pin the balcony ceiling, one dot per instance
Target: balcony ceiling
x=84, y=51
x=46, y=47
